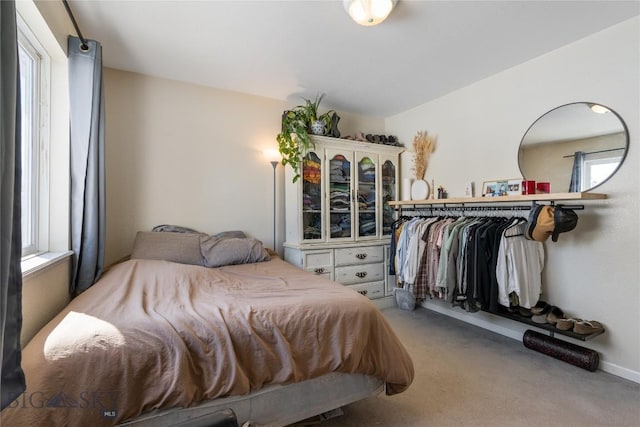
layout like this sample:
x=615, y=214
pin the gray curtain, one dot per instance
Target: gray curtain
x=87, y=163
x=576, y=173
x=10, y=222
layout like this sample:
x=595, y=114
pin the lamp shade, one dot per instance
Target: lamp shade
x=369, y=12
x=272, y=155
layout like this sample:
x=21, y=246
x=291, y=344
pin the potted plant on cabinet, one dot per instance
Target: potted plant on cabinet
x=297, y=124
x=318, y=123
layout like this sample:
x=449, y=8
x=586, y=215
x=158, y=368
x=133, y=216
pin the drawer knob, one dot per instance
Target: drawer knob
x=361, y=274
x=361, y=256
x=363, y=292
x=319, y=270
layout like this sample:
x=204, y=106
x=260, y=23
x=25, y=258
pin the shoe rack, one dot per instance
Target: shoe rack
x=546, y=326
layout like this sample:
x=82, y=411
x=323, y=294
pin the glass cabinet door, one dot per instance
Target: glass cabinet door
x=312, y=197
x=389, y=182
x=340, y=221
x=367, y=203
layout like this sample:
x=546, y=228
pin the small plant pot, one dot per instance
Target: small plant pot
x=317, y=127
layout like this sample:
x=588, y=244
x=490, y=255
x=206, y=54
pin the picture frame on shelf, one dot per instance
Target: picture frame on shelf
x=514, y=187
x=497, y=188
x=489, y=188
x=469, y=189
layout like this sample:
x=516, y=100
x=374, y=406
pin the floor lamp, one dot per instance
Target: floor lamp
x=273, y=156
x=274, y=163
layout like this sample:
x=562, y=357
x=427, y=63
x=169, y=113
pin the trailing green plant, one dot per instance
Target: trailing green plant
x=293, y=139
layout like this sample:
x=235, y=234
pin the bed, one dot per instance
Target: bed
x=157, y=342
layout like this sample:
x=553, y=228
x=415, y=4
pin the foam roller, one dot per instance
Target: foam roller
x=581, y=357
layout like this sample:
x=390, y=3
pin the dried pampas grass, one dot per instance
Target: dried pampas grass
x=423, y=146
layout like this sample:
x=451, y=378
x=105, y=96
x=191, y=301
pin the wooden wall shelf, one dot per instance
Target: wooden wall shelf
x=549, y=197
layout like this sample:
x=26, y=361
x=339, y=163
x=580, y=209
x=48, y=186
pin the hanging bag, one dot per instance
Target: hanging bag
x=405, y=298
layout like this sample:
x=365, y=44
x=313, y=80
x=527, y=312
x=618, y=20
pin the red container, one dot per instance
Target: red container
x=528, y=187
x=543, y=187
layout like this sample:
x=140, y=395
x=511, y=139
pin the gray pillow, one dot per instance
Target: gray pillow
x=233, y=233
x=183, y=248
x=220, y=251
x=173, y=229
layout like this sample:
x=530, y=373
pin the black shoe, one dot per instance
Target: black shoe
x=541, y=307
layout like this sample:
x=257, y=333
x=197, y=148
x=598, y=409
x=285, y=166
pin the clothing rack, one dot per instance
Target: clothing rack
x=407, y=212
x=84, y=46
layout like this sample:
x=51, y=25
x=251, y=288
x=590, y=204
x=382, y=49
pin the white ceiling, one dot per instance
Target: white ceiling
x=290, y=49
x=572, y=122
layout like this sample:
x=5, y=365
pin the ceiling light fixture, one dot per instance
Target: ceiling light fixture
x=369, y=12
x=600, y=109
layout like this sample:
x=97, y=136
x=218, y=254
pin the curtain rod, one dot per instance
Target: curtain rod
x=595, y=152
x=84, y=46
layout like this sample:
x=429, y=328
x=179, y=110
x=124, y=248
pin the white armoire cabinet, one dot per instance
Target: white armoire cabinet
x=338, y=218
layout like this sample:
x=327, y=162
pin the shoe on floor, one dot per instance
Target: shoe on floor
x=586, y=327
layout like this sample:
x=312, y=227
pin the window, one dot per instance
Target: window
x=597, y=171
x=34, y=86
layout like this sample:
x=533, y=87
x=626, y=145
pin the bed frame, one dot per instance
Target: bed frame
x=273, y=406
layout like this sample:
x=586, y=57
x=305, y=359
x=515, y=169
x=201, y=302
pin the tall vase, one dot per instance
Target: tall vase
x=406, y=189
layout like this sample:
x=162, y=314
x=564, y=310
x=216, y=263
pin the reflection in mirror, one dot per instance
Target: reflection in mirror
x=575, y=147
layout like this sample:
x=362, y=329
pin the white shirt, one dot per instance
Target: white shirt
x=519, y=267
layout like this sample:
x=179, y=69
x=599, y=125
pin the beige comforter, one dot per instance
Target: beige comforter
x=156, y=334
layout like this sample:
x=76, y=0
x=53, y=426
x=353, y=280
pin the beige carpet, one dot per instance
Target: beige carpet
x=467, y=376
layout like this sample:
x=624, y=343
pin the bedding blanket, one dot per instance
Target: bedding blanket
x=156, y=334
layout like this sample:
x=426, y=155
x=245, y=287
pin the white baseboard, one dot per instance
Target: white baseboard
x=619, y=371
x=515, y=331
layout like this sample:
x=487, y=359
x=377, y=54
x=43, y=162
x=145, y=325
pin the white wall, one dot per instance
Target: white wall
x=592, y=272
x=44, y=294
x=189, y=155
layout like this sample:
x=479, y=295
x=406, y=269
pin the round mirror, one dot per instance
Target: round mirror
x=574, y=147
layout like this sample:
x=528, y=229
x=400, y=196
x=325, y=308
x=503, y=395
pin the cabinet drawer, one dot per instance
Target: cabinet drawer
x=361, y=255
x=317, y=259
x=352, y=274
x=322, y=272
x=370, y=290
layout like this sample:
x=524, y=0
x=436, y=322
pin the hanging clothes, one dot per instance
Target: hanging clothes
x=478, y=263
x=519, y=267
